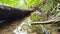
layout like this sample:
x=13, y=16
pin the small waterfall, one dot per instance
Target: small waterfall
x=21, y=29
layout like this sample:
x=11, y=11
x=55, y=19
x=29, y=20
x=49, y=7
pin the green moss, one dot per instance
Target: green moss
x=35, y=17
x=38, y=28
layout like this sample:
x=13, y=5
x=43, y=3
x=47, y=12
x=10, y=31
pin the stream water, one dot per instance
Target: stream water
x=19, y=30
x=45, y=31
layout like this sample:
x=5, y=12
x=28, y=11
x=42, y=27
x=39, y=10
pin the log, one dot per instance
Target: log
x=11, y=13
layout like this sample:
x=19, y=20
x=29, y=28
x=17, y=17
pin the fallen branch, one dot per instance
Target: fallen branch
x=44, y=22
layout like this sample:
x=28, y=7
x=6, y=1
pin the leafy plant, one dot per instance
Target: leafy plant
x=9, y=2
